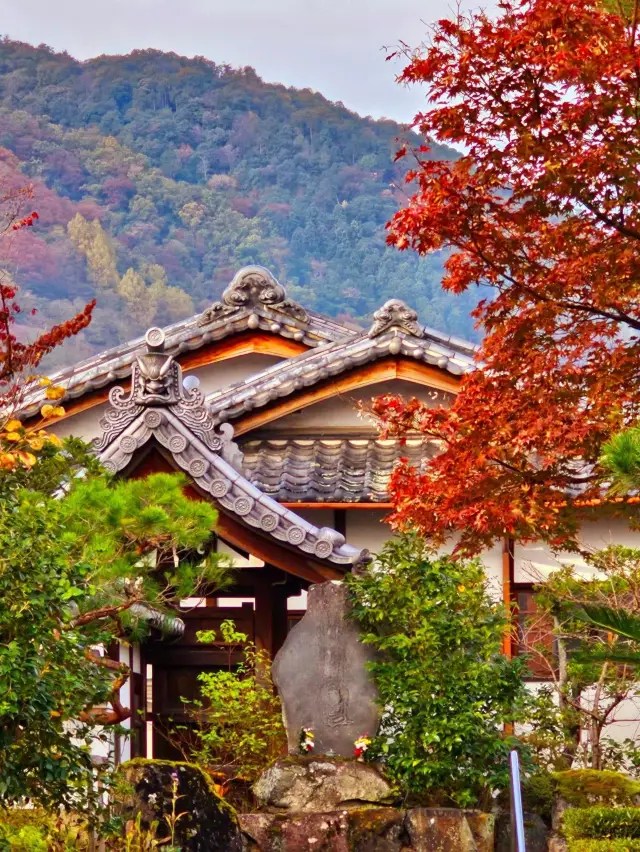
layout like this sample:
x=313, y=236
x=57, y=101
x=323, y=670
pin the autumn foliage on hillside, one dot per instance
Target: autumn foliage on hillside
x=157, y=177
x=20, y=355
x=544, y=207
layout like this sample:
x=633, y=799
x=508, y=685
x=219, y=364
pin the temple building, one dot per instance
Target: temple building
x=257, y=401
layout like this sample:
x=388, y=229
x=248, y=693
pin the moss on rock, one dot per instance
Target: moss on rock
x=158, y=788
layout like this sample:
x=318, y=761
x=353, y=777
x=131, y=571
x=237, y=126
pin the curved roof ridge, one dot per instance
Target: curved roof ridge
x=160, y=407
x=254, y=300
x=394, y=331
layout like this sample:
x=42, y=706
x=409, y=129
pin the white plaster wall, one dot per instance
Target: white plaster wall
x=125, y=700
x=221, y=374
x=84, y=424
x=535, y=560
x=341, y=412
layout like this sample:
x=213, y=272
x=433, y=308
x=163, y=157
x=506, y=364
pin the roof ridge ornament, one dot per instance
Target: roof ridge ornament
x=255, y=288
x=395, y=314
x=156, y=382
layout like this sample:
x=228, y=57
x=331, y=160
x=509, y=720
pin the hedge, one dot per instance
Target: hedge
x=583, y=788
x=595, y=823
x=603, y=846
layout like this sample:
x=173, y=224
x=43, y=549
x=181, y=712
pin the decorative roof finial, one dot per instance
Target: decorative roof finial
x=254, y=288
x=395, y=314
x=156, y=383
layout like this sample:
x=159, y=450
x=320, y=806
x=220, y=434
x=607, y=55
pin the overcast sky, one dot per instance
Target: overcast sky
x=332, y=46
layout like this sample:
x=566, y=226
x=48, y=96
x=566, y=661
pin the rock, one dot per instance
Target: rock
x=302, y=833
x=450, y=830
x=321, y=676
x=370, y=830
x=535, y=831
x=209, y=824
x=311, y=784
x=557, y=843
x=378, y=830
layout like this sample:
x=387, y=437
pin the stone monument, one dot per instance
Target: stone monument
x=321, y=676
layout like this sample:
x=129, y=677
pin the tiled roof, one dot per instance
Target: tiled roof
x=328, y=469
x=394, y=332
x=254, y=300
x=160, y=408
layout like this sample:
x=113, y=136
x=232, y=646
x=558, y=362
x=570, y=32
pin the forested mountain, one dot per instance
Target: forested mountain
x=157, y=177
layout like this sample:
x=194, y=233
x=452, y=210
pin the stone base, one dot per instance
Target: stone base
x=370, y=830
x=536, y=833
x=205, y=822
x=320, y=784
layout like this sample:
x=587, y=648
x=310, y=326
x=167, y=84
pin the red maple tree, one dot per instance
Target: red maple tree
x=20, y=358
x=543, y=207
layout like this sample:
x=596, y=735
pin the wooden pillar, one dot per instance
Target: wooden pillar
x=272, y=588
x=507, y=580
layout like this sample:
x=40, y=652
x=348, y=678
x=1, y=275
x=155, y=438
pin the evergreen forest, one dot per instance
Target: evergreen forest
x=156, y=177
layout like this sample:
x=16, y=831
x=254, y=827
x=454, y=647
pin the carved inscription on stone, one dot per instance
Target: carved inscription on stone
x=321, y=676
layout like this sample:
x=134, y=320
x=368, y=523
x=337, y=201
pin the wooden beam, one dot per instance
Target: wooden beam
x=272, y=552
x=235, y=533
x=345, y=505
x=384, y=370
x=245, y=343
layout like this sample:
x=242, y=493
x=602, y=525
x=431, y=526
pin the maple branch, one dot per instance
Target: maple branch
x=607, y=220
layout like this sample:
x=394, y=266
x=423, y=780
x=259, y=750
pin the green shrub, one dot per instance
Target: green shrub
x=439, y=634
x=28, y=838
x=603, y=823
x=604, y=846
x=584, y=787
x=538, y=792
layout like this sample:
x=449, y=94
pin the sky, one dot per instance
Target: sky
x=333, y=46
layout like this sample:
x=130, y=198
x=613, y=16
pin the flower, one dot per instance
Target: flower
x=360, y=746
x=307, y=740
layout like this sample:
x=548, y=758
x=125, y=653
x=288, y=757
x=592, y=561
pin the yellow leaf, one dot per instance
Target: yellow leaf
x=44, y=381
x=54, y=392
x=13, y=426
x=36, y=443
x=27, y=459
x=7, y=461
x=53, y=439
x=51, y=411
x=12, y=436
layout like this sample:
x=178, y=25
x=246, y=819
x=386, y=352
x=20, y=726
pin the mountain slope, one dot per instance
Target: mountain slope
x=157, y=176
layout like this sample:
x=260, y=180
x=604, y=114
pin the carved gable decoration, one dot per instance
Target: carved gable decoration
x=156, y=381
x=159, y=406
x=395, y=314
x=255, y=289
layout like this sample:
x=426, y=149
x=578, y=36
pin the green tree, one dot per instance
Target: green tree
x=239, y=723
x=445, y=687
x=576, y=659
x=82, y=560
x=135, y=293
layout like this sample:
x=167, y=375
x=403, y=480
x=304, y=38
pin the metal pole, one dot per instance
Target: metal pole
x=517, y=817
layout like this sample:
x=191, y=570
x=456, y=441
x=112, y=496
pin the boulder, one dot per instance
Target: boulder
x=322, y=678
x=299, y=833
x=535, y=831
x=450, y=830
x=313, y=784
x=153, y=787
x=370, y=829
